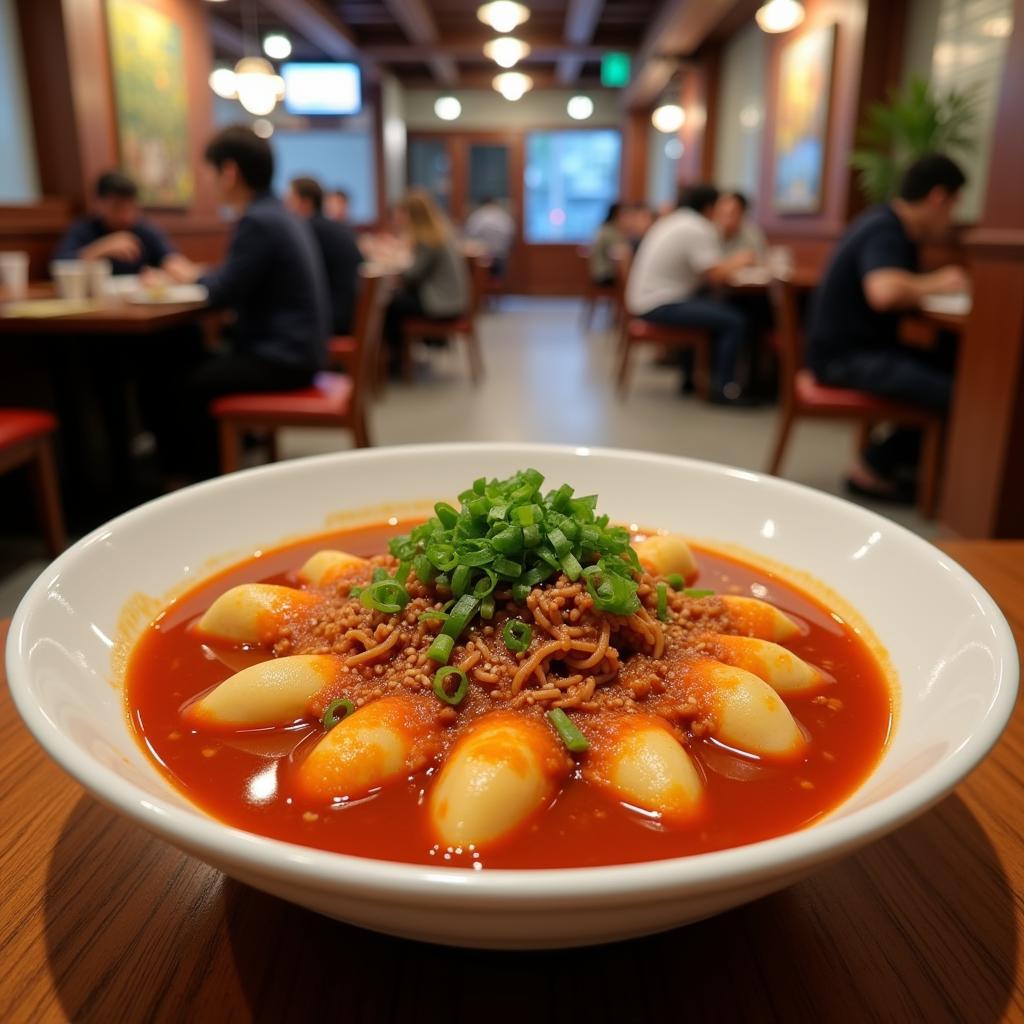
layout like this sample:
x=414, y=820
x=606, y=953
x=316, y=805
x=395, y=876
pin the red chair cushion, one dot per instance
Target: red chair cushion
x=341, y=345
x=811, y=394
x=416, y=327
x=19, y=425
x=662, y=334
x=330, y=395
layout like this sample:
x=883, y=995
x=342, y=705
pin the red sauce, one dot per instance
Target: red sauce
x=242, y=780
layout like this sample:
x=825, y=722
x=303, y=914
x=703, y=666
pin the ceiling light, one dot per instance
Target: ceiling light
x=668, y=118
x=277, y=46
x=780, y=15
x=263, y=128
x=447, y=108
x=503, y=15
x=513, y=85
x=997, y=28
x=507, y=51
x=259, y=88
x=222, y=82
x=579, y=108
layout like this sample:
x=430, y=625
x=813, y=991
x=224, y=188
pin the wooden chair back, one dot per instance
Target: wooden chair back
x=789, y=337
x=367, y=324
x=479, y=272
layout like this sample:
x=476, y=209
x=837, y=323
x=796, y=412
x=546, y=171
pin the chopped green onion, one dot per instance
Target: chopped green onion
x=448, y=516
x=331, y=717
x=520, y=592
x=674, y=580
x=440, y=690
x=573, y=739
x=385, y=595
x=460, y=580
x=402, y=572
x=463, y=610
x=662, y=592
x=506, y=567
x=443, y=556
x=432, y=615
x=487, y=607
x=517, y=635
x=695, y=592
x=441, y=649
x=485, y=584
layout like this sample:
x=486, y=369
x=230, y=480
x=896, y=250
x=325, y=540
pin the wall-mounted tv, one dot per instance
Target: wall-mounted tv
x=313, y=89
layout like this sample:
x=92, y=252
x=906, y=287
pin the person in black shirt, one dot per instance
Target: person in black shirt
x=337, y=241
x=872, y=279
x=116, y=231
x=273, y=281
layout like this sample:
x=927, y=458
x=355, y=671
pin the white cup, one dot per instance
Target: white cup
x=14, y=274
x=72, y=279
x=780, y=260
x=98, y=272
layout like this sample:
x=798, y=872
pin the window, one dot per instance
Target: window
x=571, y=178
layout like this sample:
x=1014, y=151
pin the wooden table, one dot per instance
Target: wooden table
x=101, y=922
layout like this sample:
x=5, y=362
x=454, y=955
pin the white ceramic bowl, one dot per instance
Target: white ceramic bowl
x=951, y=647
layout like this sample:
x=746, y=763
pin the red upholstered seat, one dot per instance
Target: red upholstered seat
x=341, y=346
x=18, y=425
x=662, y=334
x=330, y=395
x=812, y=395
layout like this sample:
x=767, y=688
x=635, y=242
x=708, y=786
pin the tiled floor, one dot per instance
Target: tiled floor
x=547, y=381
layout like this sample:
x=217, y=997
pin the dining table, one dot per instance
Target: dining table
x=103, y=922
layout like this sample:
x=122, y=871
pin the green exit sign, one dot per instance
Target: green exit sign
x=615, y=70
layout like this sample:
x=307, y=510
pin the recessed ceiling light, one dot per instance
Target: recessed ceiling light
x=513, y=85
x=579, y=108
x=506, y=51
x=277, y=46
x=668, y=118
x=448, y=108
x=780, y=15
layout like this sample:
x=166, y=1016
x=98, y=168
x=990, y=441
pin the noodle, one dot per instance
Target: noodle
x=375, y=652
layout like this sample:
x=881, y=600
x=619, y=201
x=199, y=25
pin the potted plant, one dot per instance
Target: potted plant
x=914, y=121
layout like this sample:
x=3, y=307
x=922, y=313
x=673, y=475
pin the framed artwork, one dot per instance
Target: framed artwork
x=801, y=121
x=148, y=69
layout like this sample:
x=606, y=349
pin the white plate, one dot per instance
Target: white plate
x=949, y=643
x=956, y=305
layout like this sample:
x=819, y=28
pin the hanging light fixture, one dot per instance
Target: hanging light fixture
x=263, y=128
x=503, y=15
x=779, y=15
x=222, y=82
x=513, y=85
x=277, y=46
x=506, y=51
x=668, y=118
x=579, y=108
x=258, y=87
x=448, y=108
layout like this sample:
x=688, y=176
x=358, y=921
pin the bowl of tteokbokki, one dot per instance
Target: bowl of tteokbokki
x=511, y=696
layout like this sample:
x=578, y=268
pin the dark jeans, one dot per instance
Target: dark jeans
x=403, y=304
x=176, y=401
x=920, y=377
x=728, y=325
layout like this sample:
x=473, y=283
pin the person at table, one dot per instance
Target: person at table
x=115, y=230
x=272, y=279
x=336, y=205
x=638, y=221
x=494, y=228
x=872, y=280
x=338, y=248
x=611, y=240
x=436, y=284
x=672, y=280
x=739, y=232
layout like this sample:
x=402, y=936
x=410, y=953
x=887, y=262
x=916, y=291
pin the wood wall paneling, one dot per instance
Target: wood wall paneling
x=635, y=128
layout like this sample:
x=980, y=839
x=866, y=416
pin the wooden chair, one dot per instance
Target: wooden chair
x=593, y=293
x=801, y=395
x=414, y=328
x=334, y=400
x=26, y=439
x=637, y=331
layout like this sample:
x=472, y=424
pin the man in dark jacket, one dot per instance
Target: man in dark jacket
x=337, y=241
x=273, y=281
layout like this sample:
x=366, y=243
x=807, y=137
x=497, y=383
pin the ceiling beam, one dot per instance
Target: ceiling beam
x=226, y=37
x=676, y=32
x=549, y=50
x=316, y=22
x=581, y=20
x=480, y=79
x=418, y=24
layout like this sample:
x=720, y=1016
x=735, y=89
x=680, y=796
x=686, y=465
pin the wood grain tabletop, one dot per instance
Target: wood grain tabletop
x=101, y=922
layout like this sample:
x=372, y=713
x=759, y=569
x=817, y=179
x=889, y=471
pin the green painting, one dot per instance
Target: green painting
x=148, y=67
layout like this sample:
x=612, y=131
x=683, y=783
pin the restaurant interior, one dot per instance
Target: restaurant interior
x=783, y=236
x=523, y=125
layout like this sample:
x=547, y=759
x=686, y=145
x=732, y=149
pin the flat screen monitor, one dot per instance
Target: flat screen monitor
x=311, y=89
